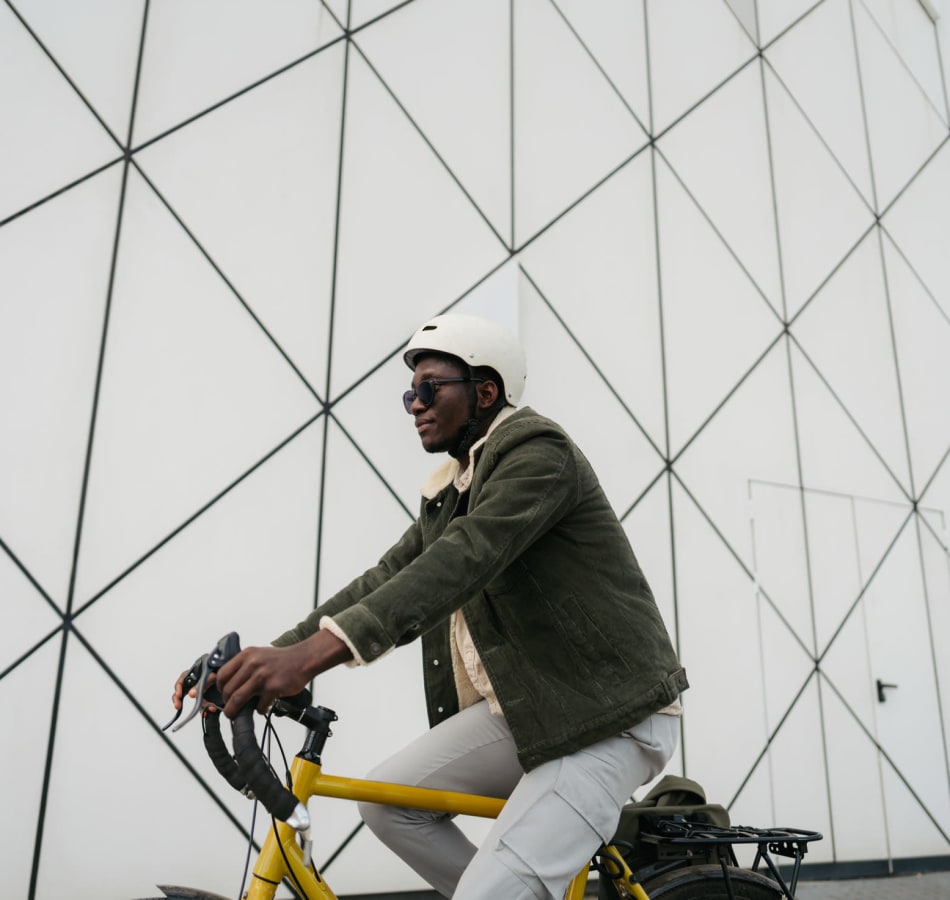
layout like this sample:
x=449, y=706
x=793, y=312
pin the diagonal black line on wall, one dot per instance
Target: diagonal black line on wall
x=722, y=239
x=929, y=605
x=227, y=281
x=441, y=160
x=198, y=513
x=770, y=739
x=889, y=306
x=901, y=487
x=917, y=277
x=591, y=361
x=332, y=316
x=238, y=93
x=57, y=694
x=157, y=729
x=742, y=565
x=69, y=629
x=598, y=66
x=65, y=75
x=869, y=581
x=887, y=758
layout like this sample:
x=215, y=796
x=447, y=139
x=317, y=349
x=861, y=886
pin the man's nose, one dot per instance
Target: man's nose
x=417, y=406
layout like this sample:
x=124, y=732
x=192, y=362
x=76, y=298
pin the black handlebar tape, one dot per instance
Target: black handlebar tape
x=220, y=754
x=277, y=800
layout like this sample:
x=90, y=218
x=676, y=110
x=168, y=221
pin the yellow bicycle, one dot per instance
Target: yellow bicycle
x=675, y=859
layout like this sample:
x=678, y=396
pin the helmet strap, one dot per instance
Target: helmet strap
x=469, y=432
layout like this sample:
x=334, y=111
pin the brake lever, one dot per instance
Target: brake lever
x=197, y=675
x=229, y=646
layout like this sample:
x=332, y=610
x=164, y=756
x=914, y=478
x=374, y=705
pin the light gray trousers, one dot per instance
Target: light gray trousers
x=556, y=816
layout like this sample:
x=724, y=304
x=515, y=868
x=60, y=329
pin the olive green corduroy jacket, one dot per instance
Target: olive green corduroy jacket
x=561, y=615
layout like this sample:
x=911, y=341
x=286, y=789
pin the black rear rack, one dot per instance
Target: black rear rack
x=677, y=839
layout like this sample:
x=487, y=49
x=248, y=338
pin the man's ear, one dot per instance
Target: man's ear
x=487, y=392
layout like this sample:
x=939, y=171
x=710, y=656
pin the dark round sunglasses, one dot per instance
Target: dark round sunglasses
x=425, y=391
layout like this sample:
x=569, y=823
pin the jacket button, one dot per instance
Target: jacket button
x=375, y=649
x=441, y=709
x=435, y=662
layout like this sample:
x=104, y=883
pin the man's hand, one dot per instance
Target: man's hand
x=271, y=672
x=178, y=695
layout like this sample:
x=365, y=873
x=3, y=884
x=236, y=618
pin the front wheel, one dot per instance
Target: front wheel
x=706, y=882
x=176, y=892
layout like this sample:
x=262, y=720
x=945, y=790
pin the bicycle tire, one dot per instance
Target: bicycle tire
x=706, y=882
x=178, y=892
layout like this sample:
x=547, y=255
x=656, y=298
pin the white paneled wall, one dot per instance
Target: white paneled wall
x=721, y=229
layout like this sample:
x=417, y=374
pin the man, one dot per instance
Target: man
x=549, y=675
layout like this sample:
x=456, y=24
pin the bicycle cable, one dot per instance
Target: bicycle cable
x=270, y=732
x=250, y=847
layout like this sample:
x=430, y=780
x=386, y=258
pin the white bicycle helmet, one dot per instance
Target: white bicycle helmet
x=477, y=342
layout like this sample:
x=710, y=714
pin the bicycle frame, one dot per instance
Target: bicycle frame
x=247, y=770
x=282, y=857
x=681, y=844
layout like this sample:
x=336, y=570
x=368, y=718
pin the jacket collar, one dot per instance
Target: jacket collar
x=448, y=472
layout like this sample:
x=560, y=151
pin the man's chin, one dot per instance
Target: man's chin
x=434, y=446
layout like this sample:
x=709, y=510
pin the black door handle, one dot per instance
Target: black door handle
x=880, y=690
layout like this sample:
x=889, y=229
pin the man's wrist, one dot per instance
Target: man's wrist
x=325, y=651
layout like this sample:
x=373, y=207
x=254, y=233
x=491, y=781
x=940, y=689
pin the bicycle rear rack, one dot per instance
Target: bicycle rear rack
x=678, y=839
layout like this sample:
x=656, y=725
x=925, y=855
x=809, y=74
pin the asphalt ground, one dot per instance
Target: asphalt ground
x=926, y=886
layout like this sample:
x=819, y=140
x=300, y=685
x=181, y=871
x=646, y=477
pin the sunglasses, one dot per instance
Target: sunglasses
x=425, y=391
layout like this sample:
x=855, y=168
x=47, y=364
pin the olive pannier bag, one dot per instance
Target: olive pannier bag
x=672, y=796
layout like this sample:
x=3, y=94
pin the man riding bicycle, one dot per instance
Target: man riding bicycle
x=550, y=678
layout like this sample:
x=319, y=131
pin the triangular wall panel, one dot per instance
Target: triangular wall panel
x=765, y=455
x=56, y=268
x=617, y=42
x=731, y=179
x=51, y=138
x=719, y=230
x=217, y=56
x=922, y=348
x=697, y=333
x=775, y=19
x=821, y=215
x=468, y=120
x=30, y=688
x=779, y=557
x=800, y=57
x=410, y=243
x=691, y=55
x=904, y=129
x=273, y=236
x=603, y=283
x=102, y=70
x=835, y=454
x=862, y=374
x=572, y=128
x=719, y=601
x=917, y=222
x=172, y=424
x=908, y=28
x=619, y=450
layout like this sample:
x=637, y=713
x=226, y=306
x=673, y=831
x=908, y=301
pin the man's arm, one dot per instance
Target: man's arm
x=529, y=489
x=397, y=557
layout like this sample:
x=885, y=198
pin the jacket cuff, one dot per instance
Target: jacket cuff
x=365, y=648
